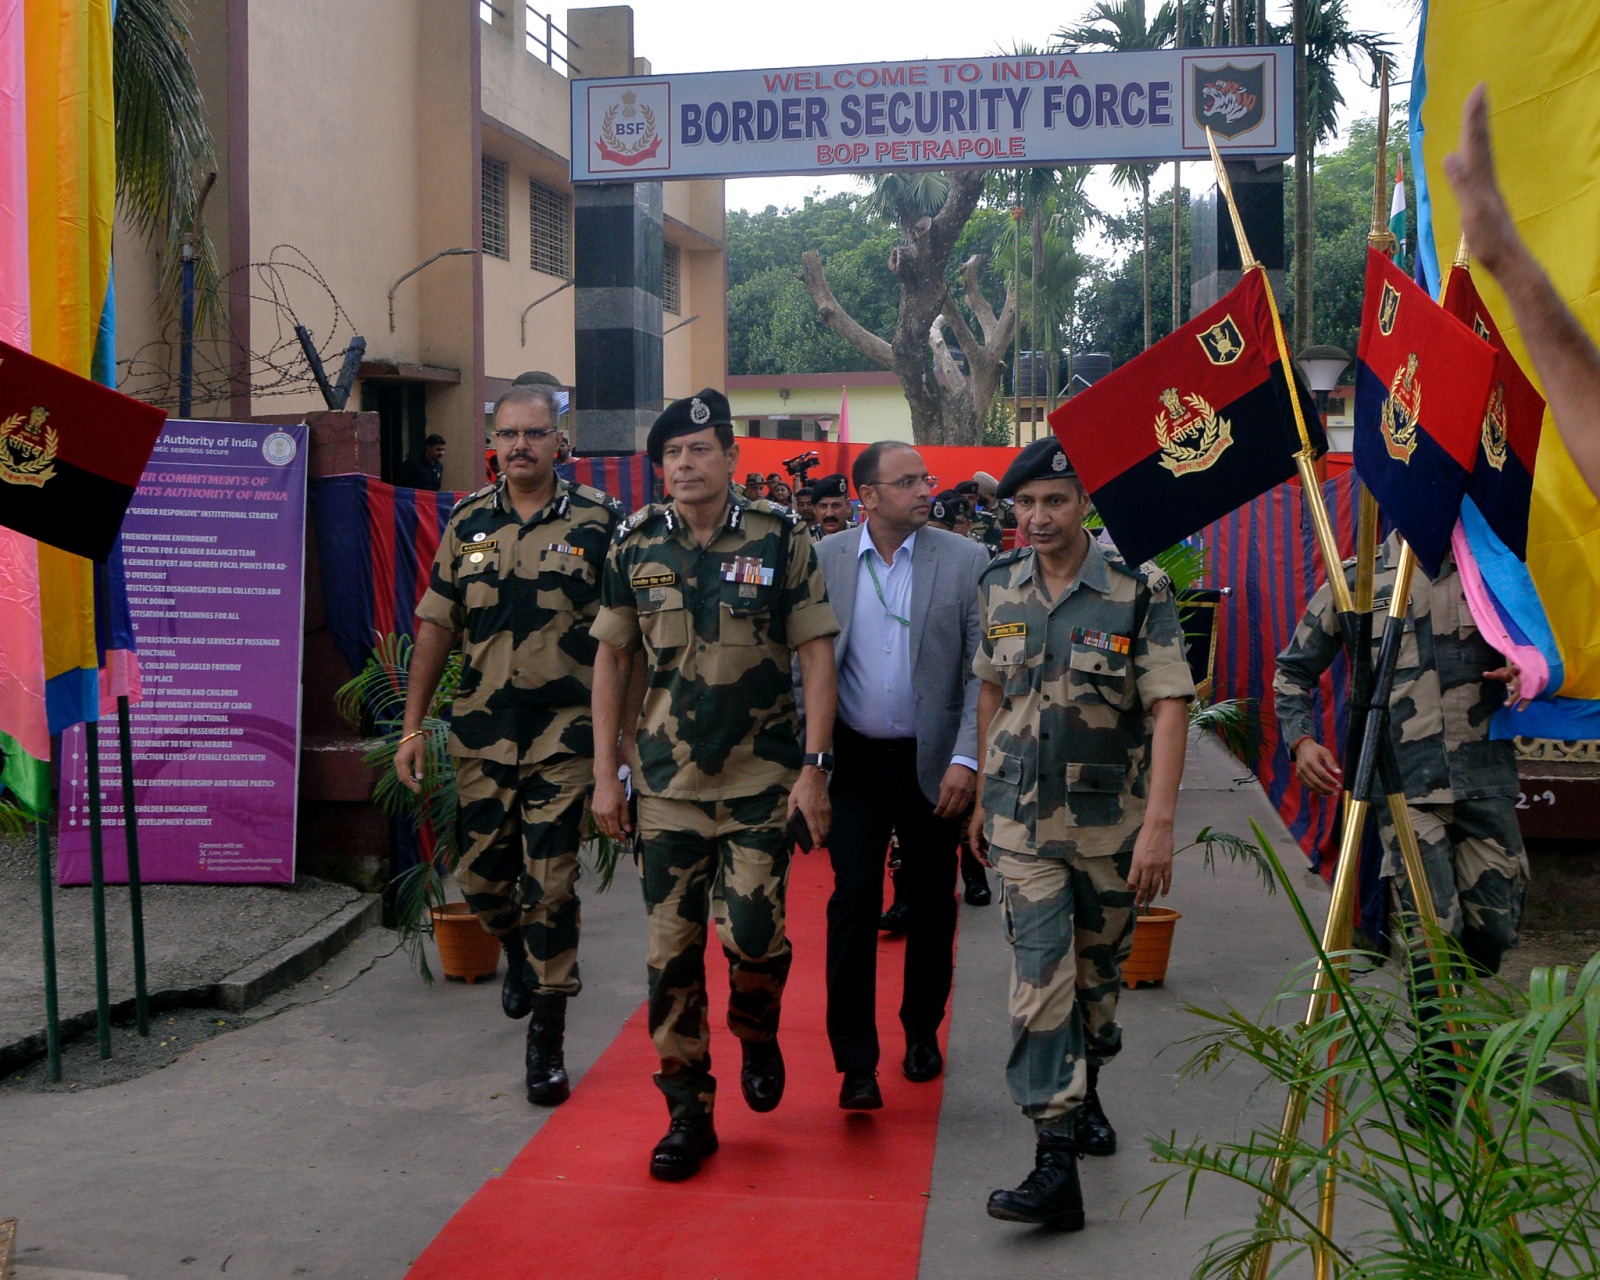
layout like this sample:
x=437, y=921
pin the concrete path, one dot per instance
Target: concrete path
x=335, y=1135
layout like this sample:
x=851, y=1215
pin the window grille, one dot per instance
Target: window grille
x=549, y=230
x=495, y=177
x=671, y=281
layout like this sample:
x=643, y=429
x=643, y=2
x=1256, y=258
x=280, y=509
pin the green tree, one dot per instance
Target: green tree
x=164, y=146
x=1111, y=313
x=1120, y=27
x=772, y=324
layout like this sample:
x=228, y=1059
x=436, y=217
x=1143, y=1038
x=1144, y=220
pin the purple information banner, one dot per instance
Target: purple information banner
x=213, y=546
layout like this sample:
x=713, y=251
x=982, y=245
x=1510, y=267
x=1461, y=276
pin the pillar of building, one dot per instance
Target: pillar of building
x=617, y=248
x=1214, y=248
x=617, y=251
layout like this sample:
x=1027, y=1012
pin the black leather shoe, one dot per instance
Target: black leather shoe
x=762, y=1076
x=977, y=892
x=516, y=992
x=1094, y=1133
x=1050, y=1196
x=923, y=1061
x=896, y=919
x=859, y=1092
x=677, y=1156
x=546, y=1065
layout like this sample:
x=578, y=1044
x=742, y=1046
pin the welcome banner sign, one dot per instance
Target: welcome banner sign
x=1008, y=111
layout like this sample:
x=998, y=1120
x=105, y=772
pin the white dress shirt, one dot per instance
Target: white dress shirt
x=876, y=697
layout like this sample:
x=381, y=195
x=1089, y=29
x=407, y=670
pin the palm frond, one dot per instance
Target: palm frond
x=163, y=143
x=1237, y=721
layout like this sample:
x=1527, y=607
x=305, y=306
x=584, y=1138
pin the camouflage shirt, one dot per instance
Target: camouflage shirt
x=986, y=529
x=1440, y=708
x=717, y=625
x=1068, y=751
x=521, y=596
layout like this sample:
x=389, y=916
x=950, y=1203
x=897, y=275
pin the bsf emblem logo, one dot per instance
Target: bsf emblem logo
x=630, y=134
x=1223, y=343
x=27, y=449
x=1401, y=410
x=1388, y=309
x=1230, y=100
x=1495, y=441
x=1190, y=434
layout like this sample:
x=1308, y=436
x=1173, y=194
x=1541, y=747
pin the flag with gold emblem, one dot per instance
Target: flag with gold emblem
x=71, y=454
x=1501, y=483
x=1194, y=428
x=1422, y=386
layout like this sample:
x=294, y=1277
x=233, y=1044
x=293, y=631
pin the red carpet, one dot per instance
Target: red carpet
x=805, y=1191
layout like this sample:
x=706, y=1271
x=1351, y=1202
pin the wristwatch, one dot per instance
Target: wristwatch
x=820, y=759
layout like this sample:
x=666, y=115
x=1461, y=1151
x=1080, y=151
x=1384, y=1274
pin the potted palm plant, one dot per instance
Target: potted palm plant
x=373, y=702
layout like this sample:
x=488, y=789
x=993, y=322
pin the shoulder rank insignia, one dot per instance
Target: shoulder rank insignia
x=634, y=521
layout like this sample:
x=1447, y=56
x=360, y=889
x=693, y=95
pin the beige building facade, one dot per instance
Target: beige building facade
x=355, y=140
x=806, y=405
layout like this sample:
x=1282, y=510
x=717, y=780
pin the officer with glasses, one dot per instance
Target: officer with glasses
x=516, y=583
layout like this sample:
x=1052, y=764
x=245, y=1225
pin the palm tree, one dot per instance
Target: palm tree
x=1322, y=35
x=1120, y=26
x=164, y=146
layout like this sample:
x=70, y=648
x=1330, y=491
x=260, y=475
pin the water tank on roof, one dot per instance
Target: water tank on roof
x=1087, y=368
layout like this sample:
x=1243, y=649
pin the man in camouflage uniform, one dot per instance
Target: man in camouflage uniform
x=981, y=491
x=1460, y=786
x=830, y=497
x=716, y=593
x=517, y=581
x=1083, y=723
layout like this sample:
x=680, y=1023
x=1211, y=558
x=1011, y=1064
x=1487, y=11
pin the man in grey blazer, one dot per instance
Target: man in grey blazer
x=905, y=755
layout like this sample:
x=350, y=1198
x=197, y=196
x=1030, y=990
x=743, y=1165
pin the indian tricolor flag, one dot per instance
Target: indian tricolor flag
x=1397, y=214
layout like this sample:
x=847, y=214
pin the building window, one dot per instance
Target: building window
x=486, y=11
x=549, y=231
x=496, y=174
x=671, y=281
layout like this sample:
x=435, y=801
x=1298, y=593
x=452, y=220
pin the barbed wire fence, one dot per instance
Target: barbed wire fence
x=294, y=292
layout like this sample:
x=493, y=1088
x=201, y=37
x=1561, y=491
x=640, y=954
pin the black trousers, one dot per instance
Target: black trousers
x=874, y=791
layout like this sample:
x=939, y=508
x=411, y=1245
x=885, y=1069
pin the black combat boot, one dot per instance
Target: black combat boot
x=547, y=1069
x=976, y=893
x=677, y=1156
x=1095, y=1135
x=516, y=992
x=1049, y=1196
x=762, y=1076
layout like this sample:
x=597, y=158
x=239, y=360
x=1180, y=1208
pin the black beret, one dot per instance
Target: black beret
x=967, y=488
x=950, y=506
x=685, y=417
x=834, y=486
x=1044, y=459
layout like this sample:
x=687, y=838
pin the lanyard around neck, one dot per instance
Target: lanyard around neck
x=878, y=587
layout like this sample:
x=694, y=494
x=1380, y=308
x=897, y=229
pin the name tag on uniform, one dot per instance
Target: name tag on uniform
x=1101, y=640
x=644, y=581
x=748, y=571
x=475, y=551
x=1004, y=629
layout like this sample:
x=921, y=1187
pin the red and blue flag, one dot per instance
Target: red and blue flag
x=1501, y=483
x=1422, y=384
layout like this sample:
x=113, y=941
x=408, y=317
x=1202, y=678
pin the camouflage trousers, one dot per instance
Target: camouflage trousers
x=1070, y=924
x=693, y=854
x=519, y=829
x=1477, y=872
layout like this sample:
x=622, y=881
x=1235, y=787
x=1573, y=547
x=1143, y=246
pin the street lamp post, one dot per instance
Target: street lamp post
x=443, y=253
x=1323, y=366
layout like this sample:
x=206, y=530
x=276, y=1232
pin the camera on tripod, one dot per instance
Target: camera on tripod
x=800, y=467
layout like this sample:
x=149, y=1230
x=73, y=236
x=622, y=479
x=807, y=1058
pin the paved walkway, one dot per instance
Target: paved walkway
x=335, y=1135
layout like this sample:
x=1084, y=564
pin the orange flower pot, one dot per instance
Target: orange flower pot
x=1152, y=945
x=467, y=951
